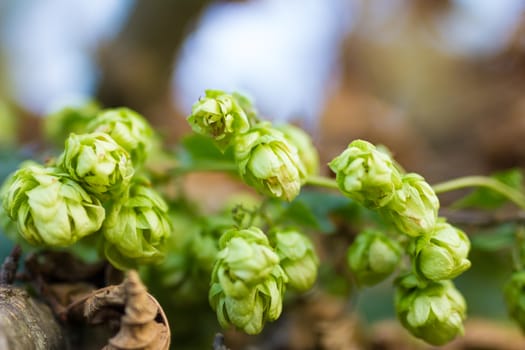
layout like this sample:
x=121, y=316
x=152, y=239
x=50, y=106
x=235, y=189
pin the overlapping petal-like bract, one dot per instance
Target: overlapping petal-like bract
x=305, y=148
x=50, y=208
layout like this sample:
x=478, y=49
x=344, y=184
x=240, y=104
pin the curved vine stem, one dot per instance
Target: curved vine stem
x=482, y=181
x=322, y=181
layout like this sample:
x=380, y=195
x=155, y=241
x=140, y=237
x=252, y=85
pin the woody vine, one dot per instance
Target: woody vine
x=108, y=190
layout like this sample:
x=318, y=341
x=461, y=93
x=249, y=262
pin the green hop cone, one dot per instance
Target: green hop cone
x=129, y=129
x=247, y=284
x=58, y=125
x=269, y=163
x=247, y=106
x=441, y=253
x=137, y=228
x=298, y=258
x=50, y=208
x=98, y=162
x=414, y=208
x=514, y=293
x=219, y=116
x=366, y=174
x=373, y=256
x=249, y=312
x=432, y=311
x=305, y=148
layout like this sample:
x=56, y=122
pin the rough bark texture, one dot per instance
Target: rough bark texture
x=26, y=323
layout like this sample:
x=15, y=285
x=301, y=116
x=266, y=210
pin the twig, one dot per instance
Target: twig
x=10, y=265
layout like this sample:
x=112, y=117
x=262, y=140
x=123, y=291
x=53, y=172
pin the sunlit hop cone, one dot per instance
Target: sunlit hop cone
x=514, y=292
x=441, y=253
x=137, y=228
x=298, y=258
x=58, y=125
x=50, y=208
x=129, y=129
x=220, y=116
x=366, y=174
x=267, y=161
x=414, y=208
x=432, y=311
x=305, y=148
x=373, y=256
x=247, y=282
x=98, y=162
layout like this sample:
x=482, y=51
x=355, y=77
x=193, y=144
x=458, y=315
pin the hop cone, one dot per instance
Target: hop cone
x=137, y=228
x=97, y=162
x=373, y=256
x=220, y=116
x=129, y=129
x=366, y=174
x=269, y=163
x=414, y=208
x=50, y=208
x=305, y=148
x=433, y=312
x=441, y=253
x=514, y=292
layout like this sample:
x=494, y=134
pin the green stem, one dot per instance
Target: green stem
x=481, y=181
x=322, y=181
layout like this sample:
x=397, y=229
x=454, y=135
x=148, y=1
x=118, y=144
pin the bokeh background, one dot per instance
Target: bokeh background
x=441, y=83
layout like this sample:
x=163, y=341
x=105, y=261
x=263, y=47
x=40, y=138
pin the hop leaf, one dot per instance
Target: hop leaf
x=373, y=256
x=514, y=292
x=97, y=162
x=441, y=253
x=413, y=209
x=269, y=163
x=129, y=129
x=219, y=116
x=50, y=208
x=432, y=311
x=136, y=228
x=366, y=174
x=298, y=259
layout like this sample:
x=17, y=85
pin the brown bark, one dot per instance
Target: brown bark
x=26, y=323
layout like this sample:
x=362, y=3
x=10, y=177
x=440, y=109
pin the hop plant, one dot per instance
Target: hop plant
x=366, y=174
x=50, y=208
x=514, y=293
x=441, y=253
x=298, y=258
x=269, y=163
x=373, y=256
x=432, y=311
x=99, y=163
x=129, y=129
x=305, y=148
x=219, y=115
x=247, y=284
x=136, y=228
x=413, y=209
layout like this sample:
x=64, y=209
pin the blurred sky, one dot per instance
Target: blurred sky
x=282, y=53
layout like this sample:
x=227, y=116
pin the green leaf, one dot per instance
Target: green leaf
x=494, y=239
x=298, y=213
x=197, y=147
x=485, y=198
